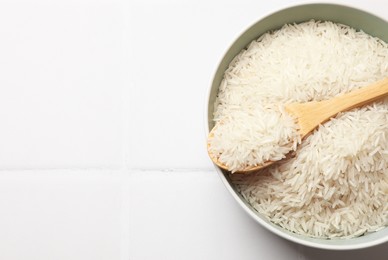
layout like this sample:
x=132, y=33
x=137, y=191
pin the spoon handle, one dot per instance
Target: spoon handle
x=312, y=114
x=359, y=97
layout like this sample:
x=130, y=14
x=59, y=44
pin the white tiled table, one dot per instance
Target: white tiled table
x=102, y=137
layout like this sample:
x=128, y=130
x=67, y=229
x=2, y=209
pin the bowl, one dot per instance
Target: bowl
x=347, y=15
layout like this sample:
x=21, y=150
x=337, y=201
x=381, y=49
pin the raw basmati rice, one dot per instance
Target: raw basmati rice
x=337, y=185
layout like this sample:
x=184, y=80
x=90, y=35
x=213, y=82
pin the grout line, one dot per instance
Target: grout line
x=63, y=172
x=113, y=169
x=170, y=170
x=75, y=169
x=124, y=219
x=126, y=94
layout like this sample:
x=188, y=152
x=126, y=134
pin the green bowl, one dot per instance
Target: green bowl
x=353, y=17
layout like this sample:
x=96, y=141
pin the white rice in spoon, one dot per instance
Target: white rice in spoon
x=337, y=185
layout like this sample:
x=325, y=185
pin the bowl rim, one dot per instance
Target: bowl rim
x=282, y=232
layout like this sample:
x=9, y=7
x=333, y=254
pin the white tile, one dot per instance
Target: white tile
x=176, y=49
x=62, y=215
x=190, y=215
x=63, y=69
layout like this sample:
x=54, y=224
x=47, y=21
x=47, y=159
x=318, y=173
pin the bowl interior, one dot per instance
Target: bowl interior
x=355, y=18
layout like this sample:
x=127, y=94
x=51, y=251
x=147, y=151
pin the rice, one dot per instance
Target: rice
x=337, y=184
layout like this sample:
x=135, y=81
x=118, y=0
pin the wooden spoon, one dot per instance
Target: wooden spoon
x=309, y=115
